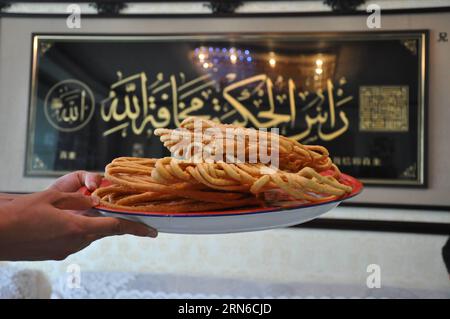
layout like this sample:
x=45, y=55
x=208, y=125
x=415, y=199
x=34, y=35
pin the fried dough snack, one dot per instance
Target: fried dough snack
x=171, y=185
x=133, y=188
x=188, y=182
x=293, y=156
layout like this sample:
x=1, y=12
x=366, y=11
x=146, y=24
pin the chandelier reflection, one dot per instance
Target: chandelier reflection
x=311, y=70
x=209, y=57
x=316, y=69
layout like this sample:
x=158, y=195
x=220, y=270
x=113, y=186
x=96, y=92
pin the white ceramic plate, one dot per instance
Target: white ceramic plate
x=233, y=221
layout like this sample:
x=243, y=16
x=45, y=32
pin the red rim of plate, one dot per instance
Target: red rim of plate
x=345, y=179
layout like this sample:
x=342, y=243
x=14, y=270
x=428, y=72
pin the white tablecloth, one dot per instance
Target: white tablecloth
x=20, y=283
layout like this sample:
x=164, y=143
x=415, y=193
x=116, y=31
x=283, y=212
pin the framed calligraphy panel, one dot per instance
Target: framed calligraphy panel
x=361, y=95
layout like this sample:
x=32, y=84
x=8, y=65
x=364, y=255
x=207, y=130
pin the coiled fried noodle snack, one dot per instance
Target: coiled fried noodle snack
x=171, y=185
x=224, y=141
x=188, y=182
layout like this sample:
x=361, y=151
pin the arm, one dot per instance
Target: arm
x=67, y=183
x=6, y=197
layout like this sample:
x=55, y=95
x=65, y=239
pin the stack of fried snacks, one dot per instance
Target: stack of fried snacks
x=178, y=185
x=293, y=156
x=171, y=185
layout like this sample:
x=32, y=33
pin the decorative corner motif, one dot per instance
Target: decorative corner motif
x=44, y=47
x=38, y=163
x=223, y=6
x=108, y=8
x=410, y=171
x=411, y=45
x=344, y=5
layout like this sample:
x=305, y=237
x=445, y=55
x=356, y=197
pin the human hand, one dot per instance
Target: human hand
x=36, y=227
x=72, y=182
